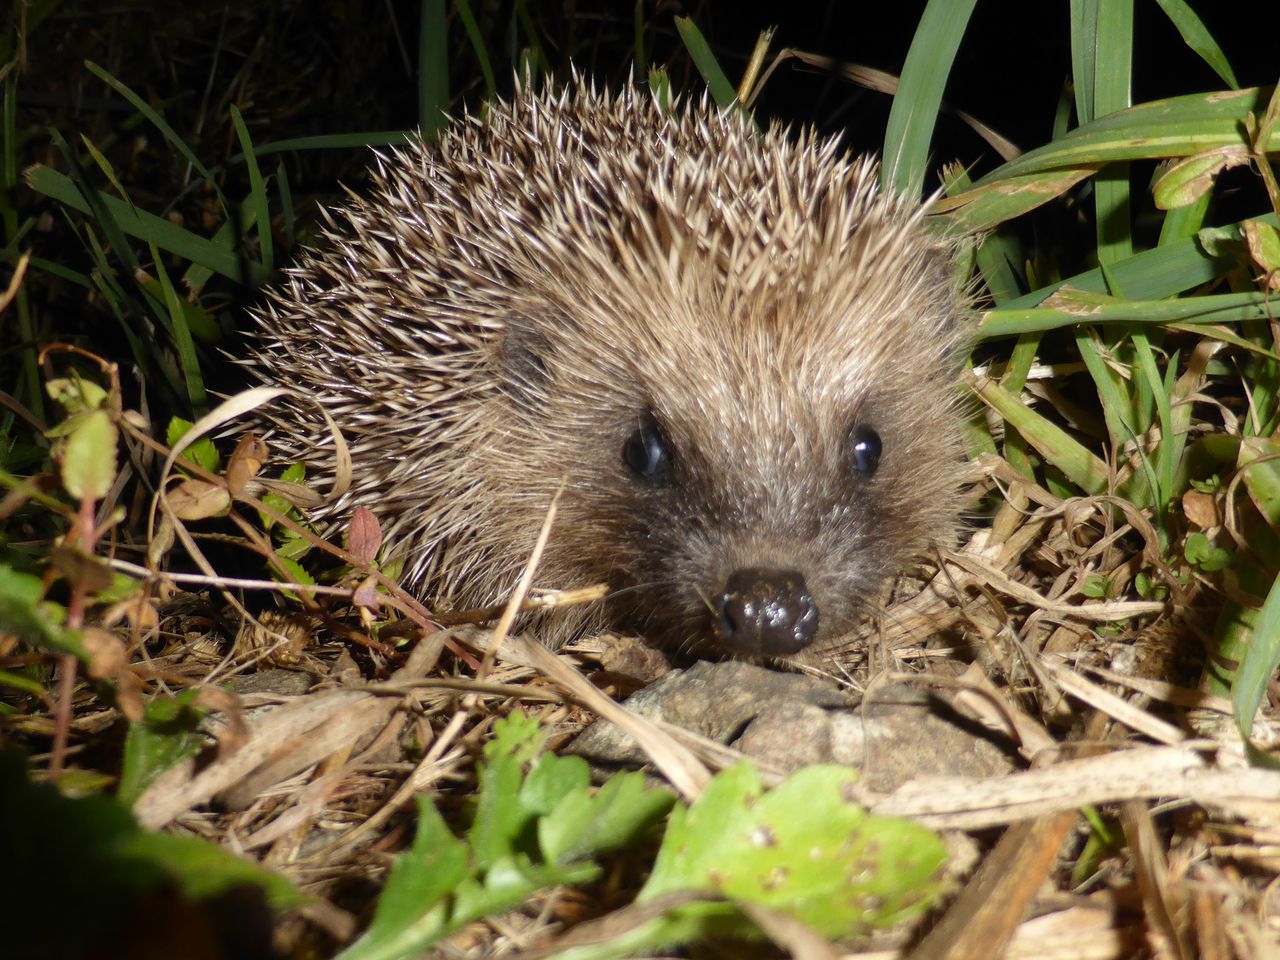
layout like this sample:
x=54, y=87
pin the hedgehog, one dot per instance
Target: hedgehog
x=731, y=356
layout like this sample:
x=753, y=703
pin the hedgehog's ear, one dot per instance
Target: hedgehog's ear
x=522, y=353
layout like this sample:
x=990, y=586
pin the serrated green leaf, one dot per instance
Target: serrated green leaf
x=292, y=546
x=296, y=571
x=444, y=883
x=584, y=825
x=803, y=848
x=88, y=460
x=500, y=818
x=202, y=452
x=518, y=736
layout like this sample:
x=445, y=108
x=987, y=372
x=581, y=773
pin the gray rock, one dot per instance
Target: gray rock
x=789, y=721
x=716, y=700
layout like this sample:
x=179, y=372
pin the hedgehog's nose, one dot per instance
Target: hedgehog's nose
x=766, y=612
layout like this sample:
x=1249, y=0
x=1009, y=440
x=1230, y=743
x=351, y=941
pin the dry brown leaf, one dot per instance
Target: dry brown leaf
x=364, y=535
x=194, y=499
x=1201, y=509
x=244, y=463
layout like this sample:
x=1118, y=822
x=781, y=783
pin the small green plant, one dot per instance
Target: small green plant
x=803, y=848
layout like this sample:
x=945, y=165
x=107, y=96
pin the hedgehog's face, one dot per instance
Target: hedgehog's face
x=769, y=536
x=742, y=483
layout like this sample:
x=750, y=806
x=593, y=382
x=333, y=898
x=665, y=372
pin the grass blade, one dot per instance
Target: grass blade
x=257, y=191
x=1199, y=39
x=157, y=121
x=722, y=91
x=915, y=106
x=433, y=68
x=147, y=226
x=1052, y=442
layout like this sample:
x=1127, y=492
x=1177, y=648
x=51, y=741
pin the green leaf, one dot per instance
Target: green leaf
x=1176, y=127
x=551, y=780
x=476, y=39
x=501, y=820
x=143, y=107
x=28, y=616
x=294, y=473
x=257, y=191
x=412, y=912
x=1096, y=586
x=1259, y=463
x=166, y=736
x=1052, y=442
x=583, y=824
x=1189, y=179
x=88, y=458
x=1201, y=553
x=187, y=358
x=803, y=848
x=201, y=323
x=1071, y=308
x=297, y=573
x=138, y=223
x=202, y=452
x=1264, y=244
x=525, y=833
x=203, y=870
x=75, y=394
x=1112, y=50
x=433, y=67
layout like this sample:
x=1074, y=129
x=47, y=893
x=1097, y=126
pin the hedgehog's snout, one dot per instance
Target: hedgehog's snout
x=766, y=612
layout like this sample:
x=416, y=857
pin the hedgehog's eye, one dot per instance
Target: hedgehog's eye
x=646, y=454
x=864, y=450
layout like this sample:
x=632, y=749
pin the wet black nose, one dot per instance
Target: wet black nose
x=766, y=612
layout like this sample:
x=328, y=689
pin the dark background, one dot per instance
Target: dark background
x=299, y=68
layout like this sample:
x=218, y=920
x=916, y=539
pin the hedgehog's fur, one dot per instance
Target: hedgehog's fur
x=506, y=305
